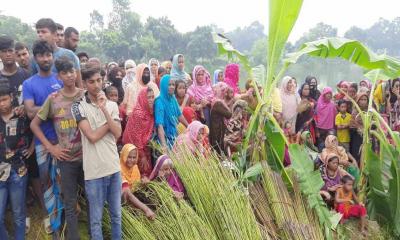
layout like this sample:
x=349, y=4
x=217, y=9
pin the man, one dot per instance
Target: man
x=83, y=57
x=71, y=39
x=60, y=35
x=23, y=56
x=36, y=90
x=15, y=75
x=46, y=30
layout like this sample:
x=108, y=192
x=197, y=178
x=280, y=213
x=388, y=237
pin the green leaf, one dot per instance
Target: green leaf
x=253, y=171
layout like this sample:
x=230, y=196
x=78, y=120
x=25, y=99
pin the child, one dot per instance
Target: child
x=130, y=176
x=68, y=151
x=99, y=123
x=347, y=203
x=342, y=122
x=16, y=146
x=112, y=95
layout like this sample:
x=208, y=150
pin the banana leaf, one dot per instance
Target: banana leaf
x=394, y=191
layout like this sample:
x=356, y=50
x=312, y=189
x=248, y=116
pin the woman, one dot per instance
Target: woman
x=218, y=76
x=236, y=127
x=183, y=98
x=167, y=113
x=130, y=176
x=342, y=87
x=356, y=126
x=142, y=81
x=192, y=138
x=140, y=128
x=201, y=91
x=307, y=142
x=346, y=161
x=220, y=111
x=168, y=66
x=177, y=71
x=314, y=92
x=366, y=84
x=232, y=77
x=305, y=116
x=164, y=171
x=130, y=72
x=290, y=101
x=326, y=113
x=154, y=65
x=115, y=76
x=394, y=101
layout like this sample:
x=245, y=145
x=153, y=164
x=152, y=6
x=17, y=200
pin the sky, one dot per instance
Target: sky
x=227, y=14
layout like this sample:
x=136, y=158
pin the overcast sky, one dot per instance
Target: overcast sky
x=228, y=14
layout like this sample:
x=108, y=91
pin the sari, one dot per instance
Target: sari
x=129, y=176
x=231, y=77
x=173, y=179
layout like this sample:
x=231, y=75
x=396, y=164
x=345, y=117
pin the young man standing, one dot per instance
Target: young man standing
x=23, y=57
x=15, y=148
x=71, y=39
x=60, y=35
x=35, y=92
x=68, y=151
x=99, y=123
x=46, y=30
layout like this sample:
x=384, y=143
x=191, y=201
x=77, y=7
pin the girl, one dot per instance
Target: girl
x=326, y=113
x=163, y=170
x=218, y=76
x=290, y=101
x=193, y=137
x=177, y=71
x=130, y=175
x=232, y=77
x=140, y=128
x=115, y=76
x=305, y=116
x=130, y=71
x=342, y=87
x=184, y=99
x=314, y=92
x=153, y=64
x=168, y=66
x=356, y=127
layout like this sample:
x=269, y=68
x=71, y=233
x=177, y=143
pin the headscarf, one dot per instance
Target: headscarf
x=139, y=128
x=356, y=120
x=368, y=83
x=167, y=65
x=201, y=92
x=130, y=72
x=152, y=75
x=231, y=77
x=189, y=114
x=326, y=111
x=314, y=92
x=219, y=91
x=173, y=180
x=290, y=100
x=189, y=138
x=332, y=147
x=176, y=73
x=215, y=79
x=129, y=175
x=341, y=95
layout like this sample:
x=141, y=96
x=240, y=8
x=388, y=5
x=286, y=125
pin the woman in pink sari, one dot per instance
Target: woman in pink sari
x=193, y=137
x=232, y=77
x=326, y=113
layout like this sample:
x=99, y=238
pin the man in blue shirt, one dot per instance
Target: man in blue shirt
x=46, y=30
x=35, y=91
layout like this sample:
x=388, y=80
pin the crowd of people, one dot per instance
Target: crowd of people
x=70, y=122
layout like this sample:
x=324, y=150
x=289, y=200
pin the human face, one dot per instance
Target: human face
x=313, y=82
x=343, y=108
x=291, y=85
x=363, y=102
x=363, y=84
x=119, y=76
x=396, y=87
x=165, y=171
x=306, y=90
x=171, y=87
x=200, y=78
x=7, y=56
x=181, y=90
x=131, y=160
x=72, y=42
x=200, y=135
x=348, y=186
x=113, y=95
x=154, y=67
x=83, y=59
x=220, y=77
x=44, y=61
x=94, y=84
x=328, y=97
x=344, y=88
x=352, y=92
x=60, y=38
x=181, y=62
x=333, y=164
x=168, y=68
x=146, y=76
x=46, y=35
x=229, y=93
x=68, y=77
x=22, y=57
x=150, y=99
x=5, y=104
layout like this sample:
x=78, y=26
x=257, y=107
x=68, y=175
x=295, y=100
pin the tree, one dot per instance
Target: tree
x=200, y=46
x=150, y=47
x=14, y=28
x=243, y=39
x=321, y=30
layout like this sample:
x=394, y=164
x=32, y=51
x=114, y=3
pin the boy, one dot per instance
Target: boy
x=98, y=121
x=15, y=147
x=342, y=122
x=68, y=151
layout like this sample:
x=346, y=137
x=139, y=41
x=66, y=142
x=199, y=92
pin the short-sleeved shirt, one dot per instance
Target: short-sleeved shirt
x=58, y=108
x=57, y=54
x=343, y=135
x=101, y=158
x=15, y=81
x=38, y=88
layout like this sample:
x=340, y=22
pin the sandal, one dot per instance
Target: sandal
x=47, y=227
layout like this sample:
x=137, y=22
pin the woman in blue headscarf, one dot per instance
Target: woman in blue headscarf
x=167, y=113
x=218, y=76
x=177, y=71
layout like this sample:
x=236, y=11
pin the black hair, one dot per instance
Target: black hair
x=346, y=178
x=5, y=88
x=82, y=54
x=42, y=47
x=6, y=42
x=69, y=30
x=302, y=87
x=63, y=64
x=47, y=23
x=177, y=82
x=309, y=78
x=341, y=101
x=113, y=73
x=354, y=85
x=161, y=70
x=109, y=89
x=20, y=46
x=89, y=70
x=332, y=158
x=59, y=26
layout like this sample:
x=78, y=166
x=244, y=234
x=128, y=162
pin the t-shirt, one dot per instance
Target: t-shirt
x=38, y=88
x=343, y=135
x=100, y=159
x=57, y=54
x=16, y=81
x=58, y=108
